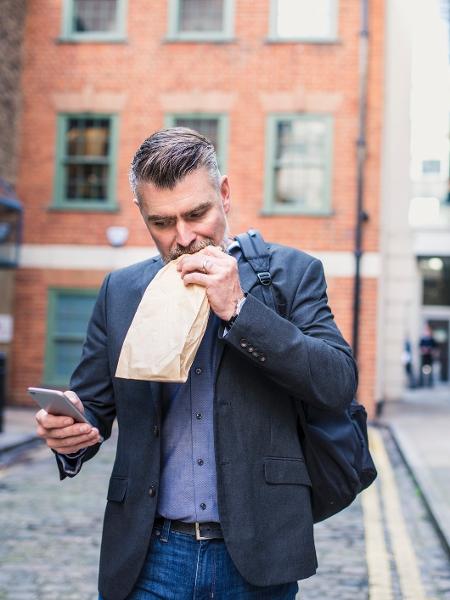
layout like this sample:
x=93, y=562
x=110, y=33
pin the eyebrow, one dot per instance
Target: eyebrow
x=199, y=208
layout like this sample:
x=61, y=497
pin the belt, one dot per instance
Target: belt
x=201, y=531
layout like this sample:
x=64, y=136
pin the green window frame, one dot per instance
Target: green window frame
x=70, y=33
x=98, y=166
x=176, y=119
x=288, y=170
x=225, y=33
x=305, y=37
x=68, y=314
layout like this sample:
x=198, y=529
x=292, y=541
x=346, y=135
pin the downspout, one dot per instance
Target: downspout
x=361, y=150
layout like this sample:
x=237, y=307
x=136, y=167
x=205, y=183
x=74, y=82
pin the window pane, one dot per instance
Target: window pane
x=95, y=15
x=436, y=280
x=207, y=127
x=201, y=15
x=304, y=18
x=87, y=137
x=86, y=182
x=300, y=164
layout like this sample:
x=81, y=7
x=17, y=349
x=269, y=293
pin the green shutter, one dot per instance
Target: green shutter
x=69, y=311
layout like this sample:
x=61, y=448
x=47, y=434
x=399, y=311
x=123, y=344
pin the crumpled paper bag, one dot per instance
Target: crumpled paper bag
x=166, y=330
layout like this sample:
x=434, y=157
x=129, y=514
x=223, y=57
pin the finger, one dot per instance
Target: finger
x=76, y=448
x=198, y=264
x=67, y=432
x=215, y=251
x=52, y=421
x=77, y=440
x=197, y=278
x=74, y=399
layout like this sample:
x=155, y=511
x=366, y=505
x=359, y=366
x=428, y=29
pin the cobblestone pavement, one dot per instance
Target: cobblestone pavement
x=383, y=547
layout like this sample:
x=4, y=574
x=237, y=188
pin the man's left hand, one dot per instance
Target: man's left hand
x=217, y=271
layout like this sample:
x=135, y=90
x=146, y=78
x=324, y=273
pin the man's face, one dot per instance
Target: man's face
x=187, y=217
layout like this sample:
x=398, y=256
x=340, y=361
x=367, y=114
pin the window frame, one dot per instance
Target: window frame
x=270, y=207
x=174, y=34
x=50, y=377
x=222, y=118
x=67, y=33
x=60, y=201
x=275, y=37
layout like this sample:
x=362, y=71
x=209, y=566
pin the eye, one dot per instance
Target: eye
x=160, y=224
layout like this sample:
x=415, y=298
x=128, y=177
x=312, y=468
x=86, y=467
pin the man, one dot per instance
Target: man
x=209, y=495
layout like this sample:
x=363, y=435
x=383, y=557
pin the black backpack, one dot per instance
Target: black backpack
x=335, y=445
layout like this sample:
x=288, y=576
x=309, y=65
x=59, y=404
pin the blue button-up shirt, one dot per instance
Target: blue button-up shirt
x=188, y=488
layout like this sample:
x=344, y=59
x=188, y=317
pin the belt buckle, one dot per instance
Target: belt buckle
x=198, y=537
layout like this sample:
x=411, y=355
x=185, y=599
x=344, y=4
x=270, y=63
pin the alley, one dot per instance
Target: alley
x=383, y=547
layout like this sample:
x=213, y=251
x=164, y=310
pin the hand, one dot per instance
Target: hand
x=218, y=273
x=63, y=434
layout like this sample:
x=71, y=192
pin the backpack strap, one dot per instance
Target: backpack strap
x=254, y=250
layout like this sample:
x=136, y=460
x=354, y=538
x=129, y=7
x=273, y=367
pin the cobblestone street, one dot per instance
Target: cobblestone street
x=50, y=534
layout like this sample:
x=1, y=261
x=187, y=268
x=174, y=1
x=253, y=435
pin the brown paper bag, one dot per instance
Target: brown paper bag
x=166, y=330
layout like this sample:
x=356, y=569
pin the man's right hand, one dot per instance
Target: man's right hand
x=63, y=434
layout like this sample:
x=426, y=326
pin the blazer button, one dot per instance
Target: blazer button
x=255, y=354
x=156, y=431
x=152, y=491
x=243, y=343
x=262, y=358
x=250, y=349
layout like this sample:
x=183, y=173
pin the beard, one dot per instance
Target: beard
x=191, y=249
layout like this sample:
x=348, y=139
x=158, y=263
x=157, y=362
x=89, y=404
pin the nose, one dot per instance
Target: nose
x=185, y=235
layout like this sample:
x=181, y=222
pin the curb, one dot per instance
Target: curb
x=424, y=483
x=23, y=442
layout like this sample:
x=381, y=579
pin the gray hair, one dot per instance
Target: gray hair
x=168, y=155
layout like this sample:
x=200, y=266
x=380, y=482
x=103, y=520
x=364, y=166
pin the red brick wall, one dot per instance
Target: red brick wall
x=248, y=79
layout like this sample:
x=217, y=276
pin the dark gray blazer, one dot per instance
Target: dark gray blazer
x=264, y=362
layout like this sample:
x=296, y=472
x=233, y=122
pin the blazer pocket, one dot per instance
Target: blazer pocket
x=117, y=489
x=286, y=470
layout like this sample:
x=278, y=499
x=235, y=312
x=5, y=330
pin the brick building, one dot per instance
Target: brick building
x=274, y=83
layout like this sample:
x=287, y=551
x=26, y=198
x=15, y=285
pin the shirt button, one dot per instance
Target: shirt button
x=243, y=343
x=156, y=431
x=198, y=371
x=152, y=491
x=200, y=461
x=198, y=416
x=203, y=506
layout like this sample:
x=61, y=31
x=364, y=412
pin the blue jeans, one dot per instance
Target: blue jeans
x=178, y=567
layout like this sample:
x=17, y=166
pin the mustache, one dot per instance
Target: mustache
x=191, y=249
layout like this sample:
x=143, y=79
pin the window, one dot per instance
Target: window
x=85, y=170
x=304, y=20
x=68, y=316
x=298, y=164
x=94, y=20
x=201, y=19
x=435, y=272
x=213, y=126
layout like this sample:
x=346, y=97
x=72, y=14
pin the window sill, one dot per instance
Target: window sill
x=91, y=39
x=270, y=212
x=108, y=208
x=197, y=39
x=300, y=40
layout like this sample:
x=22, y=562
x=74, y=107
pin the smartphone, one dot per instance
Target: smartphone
x=56, y=403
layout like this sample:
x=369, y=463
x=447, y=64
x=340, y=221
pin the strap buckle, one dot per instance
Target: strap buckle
x=198, y=537
x=265, y=278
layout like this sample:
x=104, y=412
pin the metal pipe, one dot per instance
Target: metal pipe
x=361, y=150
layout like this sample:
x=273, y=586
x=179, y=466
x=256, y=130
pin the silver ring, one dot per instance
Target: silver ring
x=204, y=269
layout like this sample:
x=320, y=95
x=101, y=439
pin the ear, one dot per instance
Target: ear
x=225, y=193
